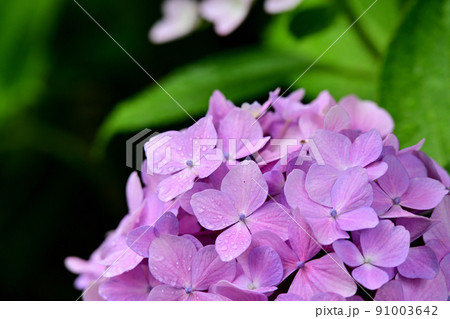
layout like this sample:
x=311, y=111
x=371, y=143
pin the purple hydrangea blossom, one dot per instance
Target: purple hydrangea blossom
x=258, y=224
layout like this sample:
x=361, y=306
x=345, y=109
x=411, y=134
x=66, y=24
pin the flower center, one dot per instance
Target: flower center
x=242, y=217
x=189, y=163
x=333, y=213
x=397, y=200
x=226, y=155
x=188, y=290
x=300, y=264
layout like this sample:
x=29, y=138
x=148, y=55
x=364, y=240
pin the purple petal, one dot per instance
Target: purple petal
x=420, y=263
x=370, y=276
x=237, y=125
x=198, y=245
x=423, y=193
x=336, y=119
x=334, y=148
x=265, y=267
x=167, y=293
x=275, y=181
x=295, y=191
x=301, y=239
x=120, y=258
x=327, y=296
x=425, y=290
x=351, y=190
x=392, y=291
x=445, y=267
x=170, y=260
x=376, y=170
x=416, y=225
x=219, y=107
x=139, y=240
x=441, y=231
x=326, y=274
x=157, y=150
x=130, y=286
x=348, y=252
x=319, y=182
x=287, y=256
x=233, y=241
x=208, y=269
x=325, y=229
x=271, y=216
x=206, y=296
x=386, y=245
x=202, y=129
x=176, y=184
x=360, y=218
x=246, y=185
x=135, y=194
x=396, y=180
x=366, y=148
x=289, y=297
x=413, y=165
x=214, y=209
x=381, y=201
x=235, y=293
x=185, y=199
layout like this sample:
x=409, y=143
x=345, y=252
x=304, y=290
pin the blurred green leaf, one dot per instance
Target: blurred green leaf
x=312, y=20
x=239, y=75
x=348, y=55
x=25, y=27
x=415, y=80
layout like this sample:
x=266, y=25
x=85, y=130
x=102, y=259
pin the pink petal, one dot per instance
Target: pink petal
x=370, y=276
x=319, y=182
x=351, y=190
x=176, y=184
x=235, y=293
x=327, y=296
x=376, y=170
x=271, y=216
x=392, y=291
x=120, y=258
x=396, y=180
x=295, y=191
x=289, y=297
x=325, y=229
x=334, y=148
x=360, y=218
x=386, y=245
x=265, y=267
x=185, y=199
x=381, y=201
x=413, y=165
x=326, y=274
x=130, y=286
x=416, y=225
x=441, y=231
x=420, y=263
x=366, y=148
x=237, y=125
x=206, y=296
x=219, y=107
x=135, y=194
x=208, y=269
x=166, y=153
x=167, y=293
x=214, y=209
x=233, y=241
x=246, y=185
x=423, y=193
x=445, y=267
x=425, y=290
x=336, y=119
x=275, y=181
x=170, y=260
x=302, y=240
x=139, y=240
x=348, y=252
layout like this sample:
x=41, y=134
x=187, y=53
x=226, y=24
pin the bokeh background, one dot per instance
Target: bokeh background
x=70, y=98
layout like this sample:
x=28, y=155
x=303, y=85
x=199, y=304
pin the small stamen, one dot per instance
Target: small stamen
x=242, y=217
x=300, y=264
x=188, y=290
x=333, y=213
x=189, y=163
x=397, y=200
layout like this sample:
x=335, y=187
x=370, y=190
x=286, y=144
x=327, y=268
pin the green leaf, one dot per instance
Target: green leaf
x=239, y=75
x=415, y=81
x=25, y=27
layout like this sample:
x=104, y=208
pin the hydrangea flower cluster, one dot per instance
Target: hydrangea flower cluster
x=181, y=17
x=302, y=201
